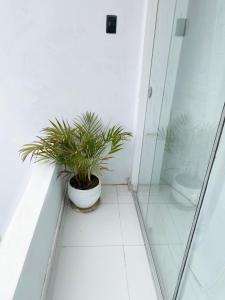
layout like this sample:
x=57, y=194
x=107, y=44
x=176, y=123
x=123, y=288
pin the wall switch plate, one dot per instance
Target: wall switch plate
x=111, y=22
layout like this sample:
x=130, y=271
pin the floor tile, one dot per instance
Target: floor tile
x=140, y=282
x=131, y=231
x=156, y=194
x=161, y=194
x=160, y=189
x=109, y=194
x=183, y=217
x=125, y=198
x=100, y=227
x=161, y=226
x=144, y=209
x=90, y=273
x=122, y=189
x=101, y=254
x=124, y=195
x=143, y=188
x=167, y=268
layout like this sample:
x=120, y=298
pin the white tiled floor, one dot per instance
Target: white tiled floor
x=101, y=255
x=168, y=224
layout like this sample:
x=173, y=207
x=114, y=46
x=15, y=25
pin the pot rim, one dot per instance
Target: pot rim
x=91, y=189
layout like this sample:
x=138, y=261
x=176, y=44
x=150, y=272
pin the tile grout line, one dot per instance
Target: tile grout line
x=126, y=272
x=124, y=256
x=98, y=246
x=123, y=244
x=116, y=203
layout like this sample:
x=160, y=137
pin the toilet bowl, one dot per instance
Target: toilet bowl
x=186, y=189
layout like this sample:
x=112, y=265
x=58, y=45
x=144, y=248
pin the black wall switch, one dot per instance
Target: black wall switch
x=111, y=24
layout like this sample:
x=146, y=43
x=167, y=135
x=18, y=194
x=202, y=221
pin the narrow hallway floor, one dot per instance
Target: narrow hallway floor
x=101, y=255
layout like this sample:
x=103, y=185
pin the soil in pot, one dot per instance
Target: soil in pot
x=77, y=184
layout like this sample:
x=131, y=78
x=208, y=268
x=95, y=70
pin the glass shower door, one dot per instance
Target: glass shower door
x=192, y=103
x=204, y=274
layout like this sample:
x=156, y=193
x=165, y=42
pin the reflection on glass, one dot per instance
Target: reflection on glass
x=190, y=114
x=146, y=164
x=184, y=167
x=204, y=277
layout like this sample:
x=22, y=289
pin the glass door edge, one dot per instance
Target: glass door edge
x=200, y=203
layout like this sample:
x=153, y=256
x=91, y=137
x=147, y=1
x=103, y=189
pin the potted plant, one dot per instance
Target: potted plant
x=82, y=150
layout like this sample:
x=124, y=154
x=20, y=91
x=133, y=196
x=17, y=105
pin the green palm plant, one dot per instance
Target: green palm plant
x=82, y=149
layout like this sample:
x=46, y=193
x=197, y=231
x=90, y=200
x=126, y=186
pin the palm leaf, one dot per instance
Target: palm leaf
x=82, y=149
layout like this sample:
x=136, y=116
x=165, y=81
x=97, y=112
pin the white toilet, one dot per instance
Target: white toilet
x=186, y=189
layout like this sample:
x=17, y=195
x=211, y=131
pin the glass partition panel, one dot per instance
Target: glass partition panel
x=191, y=107
x=146, y=164
x=204, y=276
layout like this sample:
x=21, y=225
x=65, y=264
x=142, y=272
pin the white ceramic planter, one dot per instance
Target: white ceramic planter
x=84, y=198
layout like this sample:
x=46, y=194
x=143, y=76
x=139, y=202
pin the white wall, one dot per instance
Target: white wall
x=57, y=61
x=37, y=257
x=34, y=223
